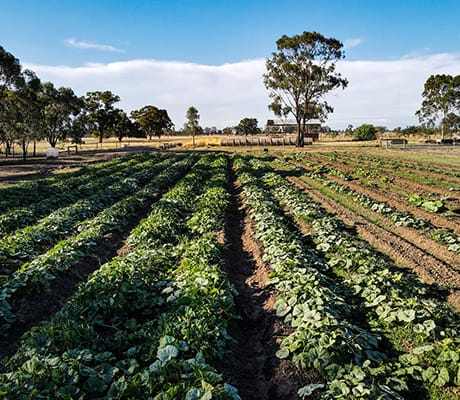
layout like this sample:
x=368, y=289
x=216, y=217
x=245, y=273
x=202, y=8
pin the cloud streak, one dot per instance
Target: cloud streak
x=379, y=92
x=349, y=43
x=79, y=44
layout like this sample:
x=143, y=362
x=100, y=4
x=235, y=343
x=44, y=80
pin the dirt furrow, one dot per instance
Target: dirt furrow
x=403, y=252
x=395, y=201
x=251, y=365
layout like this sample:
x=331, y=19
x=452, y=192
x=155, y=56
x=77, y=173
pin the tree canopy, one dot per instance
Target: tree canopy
x=101, y=112
x=152, y=120
x=192, y=126
x=300, y=73
x=441, y=97
x=247, y=126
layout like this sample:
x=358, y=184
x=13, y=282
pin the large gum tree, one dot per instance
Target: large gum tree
x=441, y=100
x=299, y=74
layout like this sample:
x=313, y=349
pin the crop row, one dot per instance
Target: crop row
x=350, y=311
x=37, y=274
x=31, y=192
x=27, y=243
x=395, y=167
x=144, y=326
x=398, y=217
x=70, y=192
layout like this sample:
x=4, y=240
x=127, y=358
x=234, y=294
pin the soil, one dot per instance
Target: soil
x=251, y=364
x=400, y=244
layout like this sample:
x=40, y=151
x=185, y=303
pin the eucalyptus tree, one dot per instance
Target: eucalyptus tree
x=10, y=78
x=60, y=108
x=26, y=111
x=152, y=120
x=247, y=126
x=192, y=126
x=101, y=113
x=441, y=96
x=124, y=127
x=300, y=73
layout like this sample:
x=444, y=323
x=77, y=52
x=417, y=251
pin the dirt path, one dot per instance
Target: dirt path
x=252, y=366
x=404, y=253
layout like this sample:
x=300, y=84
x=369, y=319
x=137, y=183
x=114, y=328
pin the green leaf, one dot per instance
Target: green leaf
x=282, y=353
x=309, y=389
x=167, y=353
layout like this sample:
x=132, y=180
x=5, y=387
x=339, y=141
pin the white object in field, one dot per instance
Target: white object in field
x=52, y=152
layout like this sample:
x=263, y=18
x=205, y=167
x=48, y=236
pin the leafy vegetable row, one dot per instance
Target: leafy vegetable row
x=70, y=192
x=327, y=334
x=34, y=276
x=29, y=242
x=399, y=218
x=31, y=192
x=424, y=331
x=144, y=326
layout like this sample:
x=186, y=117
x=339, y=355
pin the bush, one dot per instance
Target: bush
x=364, y=132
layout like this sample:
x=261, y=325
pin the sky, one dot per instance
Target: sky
x=211, y=54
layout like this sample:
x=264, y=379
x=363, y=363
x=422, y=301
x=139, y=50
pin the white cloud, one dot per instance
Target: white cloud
x=79, y=44
x=349, y=43
x=379, y=92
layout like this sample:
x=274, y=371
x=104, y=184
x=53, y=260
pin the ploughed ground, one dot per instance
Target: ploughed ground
x=403, y=246
x=251, y=365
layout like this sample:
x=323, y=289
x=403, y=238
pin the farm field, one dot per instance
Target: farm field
x=329, y=274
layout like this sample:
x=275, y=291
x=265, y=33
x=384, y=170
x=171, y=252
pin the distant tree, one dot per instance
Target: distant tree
x=300, y=74
x=229, y=130
x=152, y=121
x=124, y=127
x=441, y=96
x=191, y=126
x=364, y=132
x=453, y=122
x=10, y=78
x=26, y=111
x=101, y=112
x=60, y=107
x=247, y=126
x=10, y=70
x=210, y=130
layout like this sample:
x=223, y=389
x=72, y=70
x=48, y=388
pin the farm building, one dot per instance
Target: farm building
x=290, y=126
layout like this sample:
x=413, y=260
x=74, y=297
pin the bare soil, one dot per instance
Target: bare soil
x=405, y=249
x=251, y=364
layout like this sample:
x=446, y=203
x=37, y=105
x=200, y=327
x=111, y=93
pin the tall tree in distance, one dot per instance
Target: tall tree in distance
x=247, y=126
x=101, y=112
x=152, y=120
x=441, y=96
x=192, y=126
x=60, y=107
x=300, y=73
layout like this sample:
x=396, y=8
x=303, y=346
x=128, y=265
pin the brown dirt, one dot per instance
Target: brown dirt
x=42, y=306
x=406, y=250
x=251, y=365
x=395, y=201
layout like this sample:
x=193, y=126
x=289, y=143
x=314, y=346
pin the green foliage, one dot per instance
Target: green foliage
x=300, y=73
x=152, y=121
x=364, y=132
x=247, y=126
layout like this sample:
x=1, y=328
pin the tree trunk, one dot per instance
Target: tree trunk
x=24, y=150
x=35, y=149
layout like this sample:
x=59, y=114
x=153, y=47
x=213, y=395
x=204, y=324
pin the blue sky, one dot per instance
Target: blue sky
x=64, y=40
